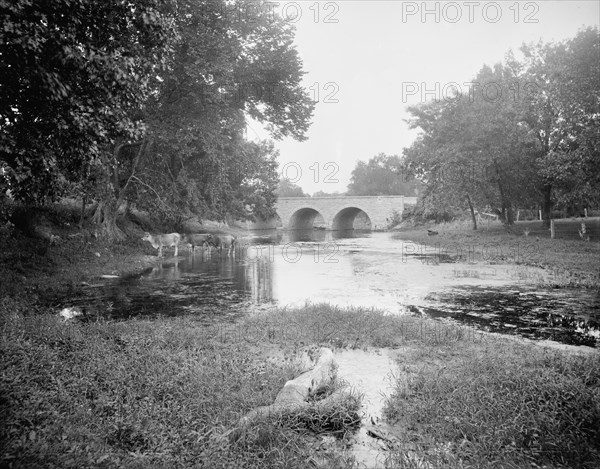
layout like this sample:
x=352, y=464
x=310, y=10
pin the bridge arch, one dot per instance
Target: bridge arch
x=345, y=219
x=304, y=218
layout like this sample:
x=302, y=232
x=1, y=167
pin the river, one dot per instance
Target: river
x=373, y=270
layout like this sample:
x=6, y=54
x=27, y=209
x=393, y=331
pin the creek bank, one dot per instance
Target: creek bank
x=554, y=294
x=47, y=256
x=569, y=263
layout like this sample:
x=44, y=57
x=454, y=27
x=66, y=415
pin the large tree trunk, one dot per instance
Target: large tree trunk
x=473, y=217
x=106, y=212
x=506, y=213
x=106, y=219
x=510, y=215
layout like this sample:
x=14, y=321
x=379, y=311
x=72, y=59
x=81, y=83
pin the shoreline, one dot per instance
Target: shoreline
x=569, y=263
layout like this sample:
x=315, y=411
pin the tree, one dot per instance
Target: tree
x=201, y=162
x=527, y=134
x=472, y=150
x=287, y=188
x=257, y=184
x=436, y=159
x=71, y=73
x=381, y=175
x=146, y=102
x=563, y=112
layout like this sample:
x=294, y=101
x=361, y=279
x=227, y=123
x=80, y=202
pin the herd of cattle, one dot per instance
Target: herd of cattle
x=222, y=242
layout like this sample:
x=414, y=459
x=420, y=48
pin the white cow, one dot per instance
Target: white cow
x=160, y=240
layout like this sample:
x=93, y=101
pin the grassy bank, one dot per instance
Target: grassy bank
x=569, y=262
x=158, y=393
x=36, y=267
x=495, y=405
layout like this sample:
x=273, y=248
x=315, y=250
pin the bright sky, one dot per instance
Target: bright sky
x=369, y=60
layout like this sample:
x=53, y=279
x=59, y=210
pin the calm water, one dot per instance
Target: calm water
x=353, y=269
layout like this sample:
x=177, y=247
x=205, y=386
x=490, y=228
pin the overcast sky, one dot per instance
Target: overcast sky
x=369, y=60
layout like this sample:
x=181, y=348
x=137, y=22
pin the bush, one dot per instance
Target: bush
x=395, y=219
x=420, y=214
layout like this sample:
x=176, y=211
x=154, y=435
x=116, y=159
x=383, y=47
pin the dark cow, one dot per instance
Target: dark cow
x=224, y=242
x=197, y=239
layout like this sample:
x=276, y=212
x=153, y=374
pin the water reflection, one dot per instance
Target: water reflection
x=319, y=236
x=346, y=269
x=306, y=236
x=258, y=281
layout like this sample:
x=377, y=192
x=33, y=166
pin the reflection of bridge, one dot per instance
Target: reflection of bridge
x=340, y=213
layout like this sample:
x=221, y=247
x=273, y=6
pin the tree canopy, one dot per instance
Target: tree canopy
x=146, y=101
x=525, y=135
x=72, y=75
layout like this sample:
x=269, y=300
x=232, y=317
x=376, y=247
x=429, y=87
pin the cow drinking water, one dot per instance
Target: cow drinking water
x=198, y=239
x=226, y=242
x=160, y=240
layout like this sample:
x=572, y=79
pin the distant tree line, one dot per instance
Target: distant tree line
x=382, y=175
x=286, y=188
x=144, y=102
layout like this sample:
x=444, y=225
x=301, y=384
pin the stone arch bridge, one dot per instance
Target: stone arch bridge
x=340, y=213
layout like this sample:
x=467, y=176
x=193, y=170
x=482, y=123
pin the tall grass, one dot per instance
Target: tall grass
x=508, y=405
